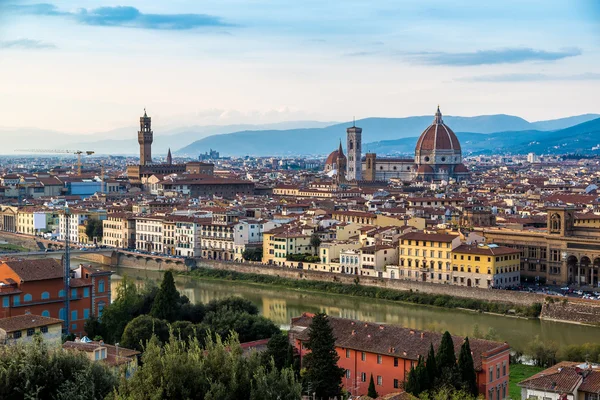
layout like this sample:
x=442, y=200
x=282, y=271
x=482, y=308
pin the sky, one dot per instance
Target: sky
x=92, y=66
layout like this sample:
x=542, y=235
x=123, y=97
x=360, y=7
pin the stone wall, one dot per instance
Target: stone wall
x=503, y=296
x=151, y=263
x=27, y=241
x=572, y=311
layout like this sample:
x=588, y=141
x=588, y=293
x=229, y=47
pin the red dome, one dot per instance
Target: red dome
x=333, y=157
x=438, y=136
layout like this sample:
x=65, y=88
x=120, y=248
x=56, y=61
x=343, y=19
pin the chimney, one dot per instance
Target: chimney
x=404, y=353
x=353, y=332
x=369, y=336
x=366, y=325
x=381, y=327
x=412, y=332
x=422, y=335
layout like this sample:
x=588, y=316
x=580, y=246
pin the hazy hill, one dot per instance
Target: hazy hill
x=576, y=139
x=324, y=140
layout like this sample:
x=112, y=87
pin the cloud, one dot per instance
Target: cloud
x=588, y=76
x=502, y=56
x=360, y=54
x=25, y=44
x=123, y=16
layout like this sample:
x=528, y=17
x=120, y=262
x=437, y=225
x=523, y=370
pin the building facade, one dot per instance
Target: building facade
x=354, y=149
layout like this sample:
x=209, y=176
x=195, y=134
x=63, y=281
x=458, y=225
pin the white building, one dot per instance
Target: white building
x=149, y=234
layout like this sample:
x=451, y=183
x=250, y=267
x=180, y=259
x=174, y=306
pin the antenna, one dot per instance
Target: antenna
x=353, y=121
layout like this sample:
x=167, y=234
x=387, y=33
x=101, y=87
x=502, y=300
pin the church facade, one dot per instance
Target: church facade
x=438, y=156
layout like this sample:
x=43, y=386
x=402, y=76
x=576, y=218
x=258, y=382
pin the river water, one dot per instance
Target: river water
x=281, y=304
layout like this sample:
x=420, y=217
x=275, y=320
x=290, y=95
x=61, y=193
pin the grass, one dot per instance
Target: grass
x=356, y=289
x=13, y=248
x=519, y=372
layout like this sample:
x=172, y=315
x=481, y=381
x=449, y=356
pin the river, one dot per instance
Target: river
x=281, y=304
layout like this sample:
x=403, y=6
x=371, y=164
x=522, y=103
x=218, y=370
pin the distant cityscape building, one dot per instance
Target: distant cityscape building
x=354, y=148
x=209, y=155
x=145, y=139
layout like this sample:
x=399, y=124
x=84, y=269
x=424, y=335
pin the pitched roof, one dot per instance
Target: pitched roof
x=22, y=322
x=36, y=270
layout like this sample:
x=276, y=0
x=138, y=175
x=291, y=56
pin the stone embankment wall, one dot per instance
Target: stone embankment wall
x=503, y=296
x=151, y=263
x=572, y=311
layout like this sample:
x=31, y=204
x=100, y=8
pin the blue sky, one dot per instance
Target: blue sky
x=89, y=66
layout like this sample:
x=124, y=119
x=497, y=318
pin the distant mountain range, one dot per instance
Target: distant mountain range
x=124, y=140
x=578, y=139
x=381, y=135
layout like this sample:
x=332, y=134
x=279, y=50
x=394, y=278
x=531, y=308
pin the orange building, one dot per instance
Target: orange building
x=389, y=351
x=37, y=287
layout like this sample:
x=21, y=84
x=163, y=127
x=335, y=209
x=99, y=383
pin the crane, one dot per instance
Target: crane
x=77, y=152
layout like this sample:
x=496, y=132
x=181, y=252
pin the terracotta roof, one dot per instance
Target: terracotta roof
x=36, y=270
x=560, y=378
x=484, y=250
x=22, y=322
x=394, y=340
x=430, y=237
x=438, y=136
x=80, y=282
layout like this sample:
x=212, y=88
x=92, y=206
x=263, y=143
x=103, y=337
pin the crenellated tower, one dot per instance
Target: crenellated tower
x=354, y=149
x=145, y=139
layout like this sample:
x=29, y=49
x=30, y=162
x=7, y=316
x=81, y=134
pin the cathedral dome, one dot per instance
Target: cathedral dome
x=438, y=136
x=331, y=163
x=461, y=169
x=332, y=158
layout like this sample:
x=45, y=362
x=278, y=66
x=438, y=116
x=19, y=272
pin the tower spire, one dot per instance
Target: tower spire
x=169, y=158
x=340, y=151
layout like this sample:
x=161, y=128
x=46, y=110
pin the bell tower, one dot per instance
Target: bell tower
x=145, y=138
x=354, y=148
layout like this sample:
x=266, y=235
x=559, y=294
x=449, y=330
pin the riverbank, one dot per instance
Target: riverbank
x=444, y=301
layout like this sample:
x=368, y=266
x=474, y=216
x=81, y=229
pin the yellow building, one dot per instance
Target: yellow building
x=118, y=230
x=21, y=329
x=427, y=257
x=281, y=242
x=486, y=266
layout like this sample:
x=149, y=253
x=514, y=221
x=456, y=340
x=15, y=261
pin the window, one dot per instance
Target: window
x=45, y=313
x=379, y=380
x=73, y=293
x=363, y=356
x=97, y=355
x=27, y=297
x=61, y=314
x=30, y=331
x=101, y=286
x=44, y=329
x=491, y=371
x=86, y=292
x=17, y=334
x=395, y=361
x=45, y=296
x=498, y=371
x=379, y=359
x=5, y=302
x=16, y=300
x=363, y=377
x=86, y=313
x=396, y=384
x=503, y=368
x=347, y=353
x=74, y=315
x=347, y=374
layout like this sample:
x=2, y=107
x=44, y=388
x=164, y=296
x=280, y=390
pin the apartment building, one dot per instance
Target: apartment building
x=486, y=266
x=149, y=233
x=388, y=352
x=427, y=257
x=119, y=230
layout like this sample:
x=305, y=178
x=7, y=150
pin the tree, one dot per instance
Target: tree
x=422, y=376
x=412, y=382
x=249, y=327
x=123, y=309
x=141, y=329
x=93, y=327
x=236, y=304
x=432, y=369
x=280, y=349
x=315, y=241
x=372, y=392
x=166, y=304
x=31, y=371
x=542, y=353
x=446, y=363
x=94, y=229
x=466, y=369
x=253, y=254
x=322, y=372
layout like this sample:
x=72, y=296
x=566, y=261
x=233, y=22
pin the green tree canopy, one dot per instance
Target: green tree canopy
x=140, y=329
x=32, y=372
x=322, y=372
x=315, y=241
x=166, y=303
x=432, y=369
x=280, y=349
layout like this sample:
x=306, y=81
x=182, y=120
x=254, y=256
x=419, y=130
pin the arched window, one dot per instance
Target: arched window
x=101, y=286
x=61, y=293
x=101, y=306
x=45, y=296
x=61, y=314
x=45, y=313
x=27, y=297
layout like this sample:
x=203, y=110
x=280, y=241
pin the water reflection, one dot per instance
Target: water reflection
x=281, y=304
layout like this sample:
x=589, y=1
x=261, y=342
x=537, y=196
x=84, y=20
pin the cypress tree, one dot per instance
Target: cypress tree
x=466, y=369
x=432, y=369
x=372, y=393
x=412, y=383
x=445, y=356
x=422, y=376
x=323, y=375
x=166, y=302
